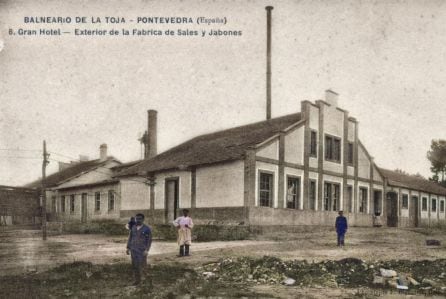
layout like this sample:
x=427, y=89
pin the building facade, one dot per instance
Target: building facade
x=299, y=169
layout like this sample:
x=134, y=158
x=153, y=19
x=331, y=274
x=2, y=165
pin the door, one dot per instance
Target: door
x=413, y=211
x=171, y=199
x=377, y=196
x=392, y=209
x=84, y=207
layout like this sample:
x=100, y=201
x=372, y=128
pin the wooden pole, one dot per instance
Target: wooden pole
x=44, y=164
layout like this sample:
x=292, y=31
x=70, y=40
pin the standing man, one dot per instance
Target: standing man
x=341, y=227
x=138, y=246
x=184, y=225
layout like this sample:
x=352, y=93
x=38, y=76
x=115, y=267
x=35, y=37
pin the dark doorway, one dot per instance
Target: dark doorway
x=377, y=202
x=392, y=209
x=171, y=199
x=413, y=211
x=84, y=207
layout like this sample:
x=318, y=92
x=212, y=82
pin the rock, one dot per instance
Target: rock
x=378, y=280
x=208, y=274
x=387, y=273
x=412, y=281
x=332, y=284
x=402, y=280
x=430, y=282
x=351, y=260
x=128, y=291
x=392, y=283
x=289, y=281
x=433, y=242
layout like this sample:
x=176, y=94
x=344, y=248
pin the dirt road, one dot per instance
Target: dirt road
x=23, y=250
x=25, y=255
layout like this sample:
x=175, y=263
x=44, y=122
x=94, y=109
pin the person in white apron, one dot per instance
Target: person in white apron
x=184, y=225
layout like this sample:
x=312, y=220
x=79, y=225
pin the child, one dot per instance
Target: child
x=184, y=225
x=130, y=224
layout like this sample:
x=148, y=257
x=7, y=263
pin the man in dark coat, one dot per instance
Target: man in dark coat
x=138, y=246
x=341, y=227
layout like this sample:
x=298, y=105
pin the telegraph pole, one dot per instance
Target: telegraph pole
x=44, y=164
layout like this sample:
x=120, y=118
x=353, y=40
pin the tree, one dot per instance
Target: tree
x=437, y=157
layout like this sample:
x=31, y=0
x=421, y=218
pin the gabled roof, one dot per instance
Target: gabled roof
x=412, y=182
x=70, y=172
x=226, y=145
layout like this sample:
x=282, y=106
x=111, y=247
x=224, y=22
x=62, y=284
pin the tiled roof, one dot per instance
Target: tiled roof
x=226, y=145
x=69, y=172
x=399, y=179
x=88, y=185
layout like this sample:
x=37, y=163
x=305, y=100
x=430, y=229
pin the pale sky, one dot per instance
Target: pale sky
x=386, y=59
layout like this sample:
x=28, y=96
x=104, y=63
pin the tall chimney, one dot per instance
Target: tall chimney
x=103, y=152
x=268, y=61
x=151, y=133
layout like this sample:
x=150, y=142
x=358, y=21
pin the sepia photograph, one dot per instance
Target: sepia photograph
x=222, y=149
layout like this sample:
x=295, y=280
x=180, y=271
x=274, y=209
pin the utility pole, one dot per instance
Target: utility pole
x=44, y=164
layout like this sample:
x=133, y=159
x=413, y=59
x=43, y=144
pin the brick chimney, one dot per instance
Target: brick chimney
x=331, y=98
x=103, y=152
x=151, y=136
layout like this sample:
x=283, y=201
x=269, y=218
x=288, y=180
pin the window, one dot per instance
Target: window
x=313, y=144
x=434, y=205
x=363, y=200
x=293, y=192
x=332, y=149
x=265, y=189
x=331, y=196
x=312, y=195
x=424, y=204
x=442, y=206
x=111, y=200
x=62, y=203
x=97, y=201
x=72, y=203
x=405, y=201
x=349, y=199
x=350, y=153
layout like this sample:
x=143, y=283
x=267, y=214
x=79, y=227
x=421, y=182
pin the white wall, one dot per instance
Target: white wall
x=363, y=164
x=135, y=194
x=184, y=188
x=294, y=146
x=351, y=131
x=270, y=151
x=314, y=118
x=220, y=185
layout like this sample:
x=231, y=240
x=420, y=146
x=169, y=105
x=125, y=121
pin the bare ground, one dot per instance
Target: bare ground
x=23, y=253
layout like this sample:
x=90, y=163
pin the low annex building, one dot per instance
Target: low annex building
x=298, y=169
x=83, y=190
